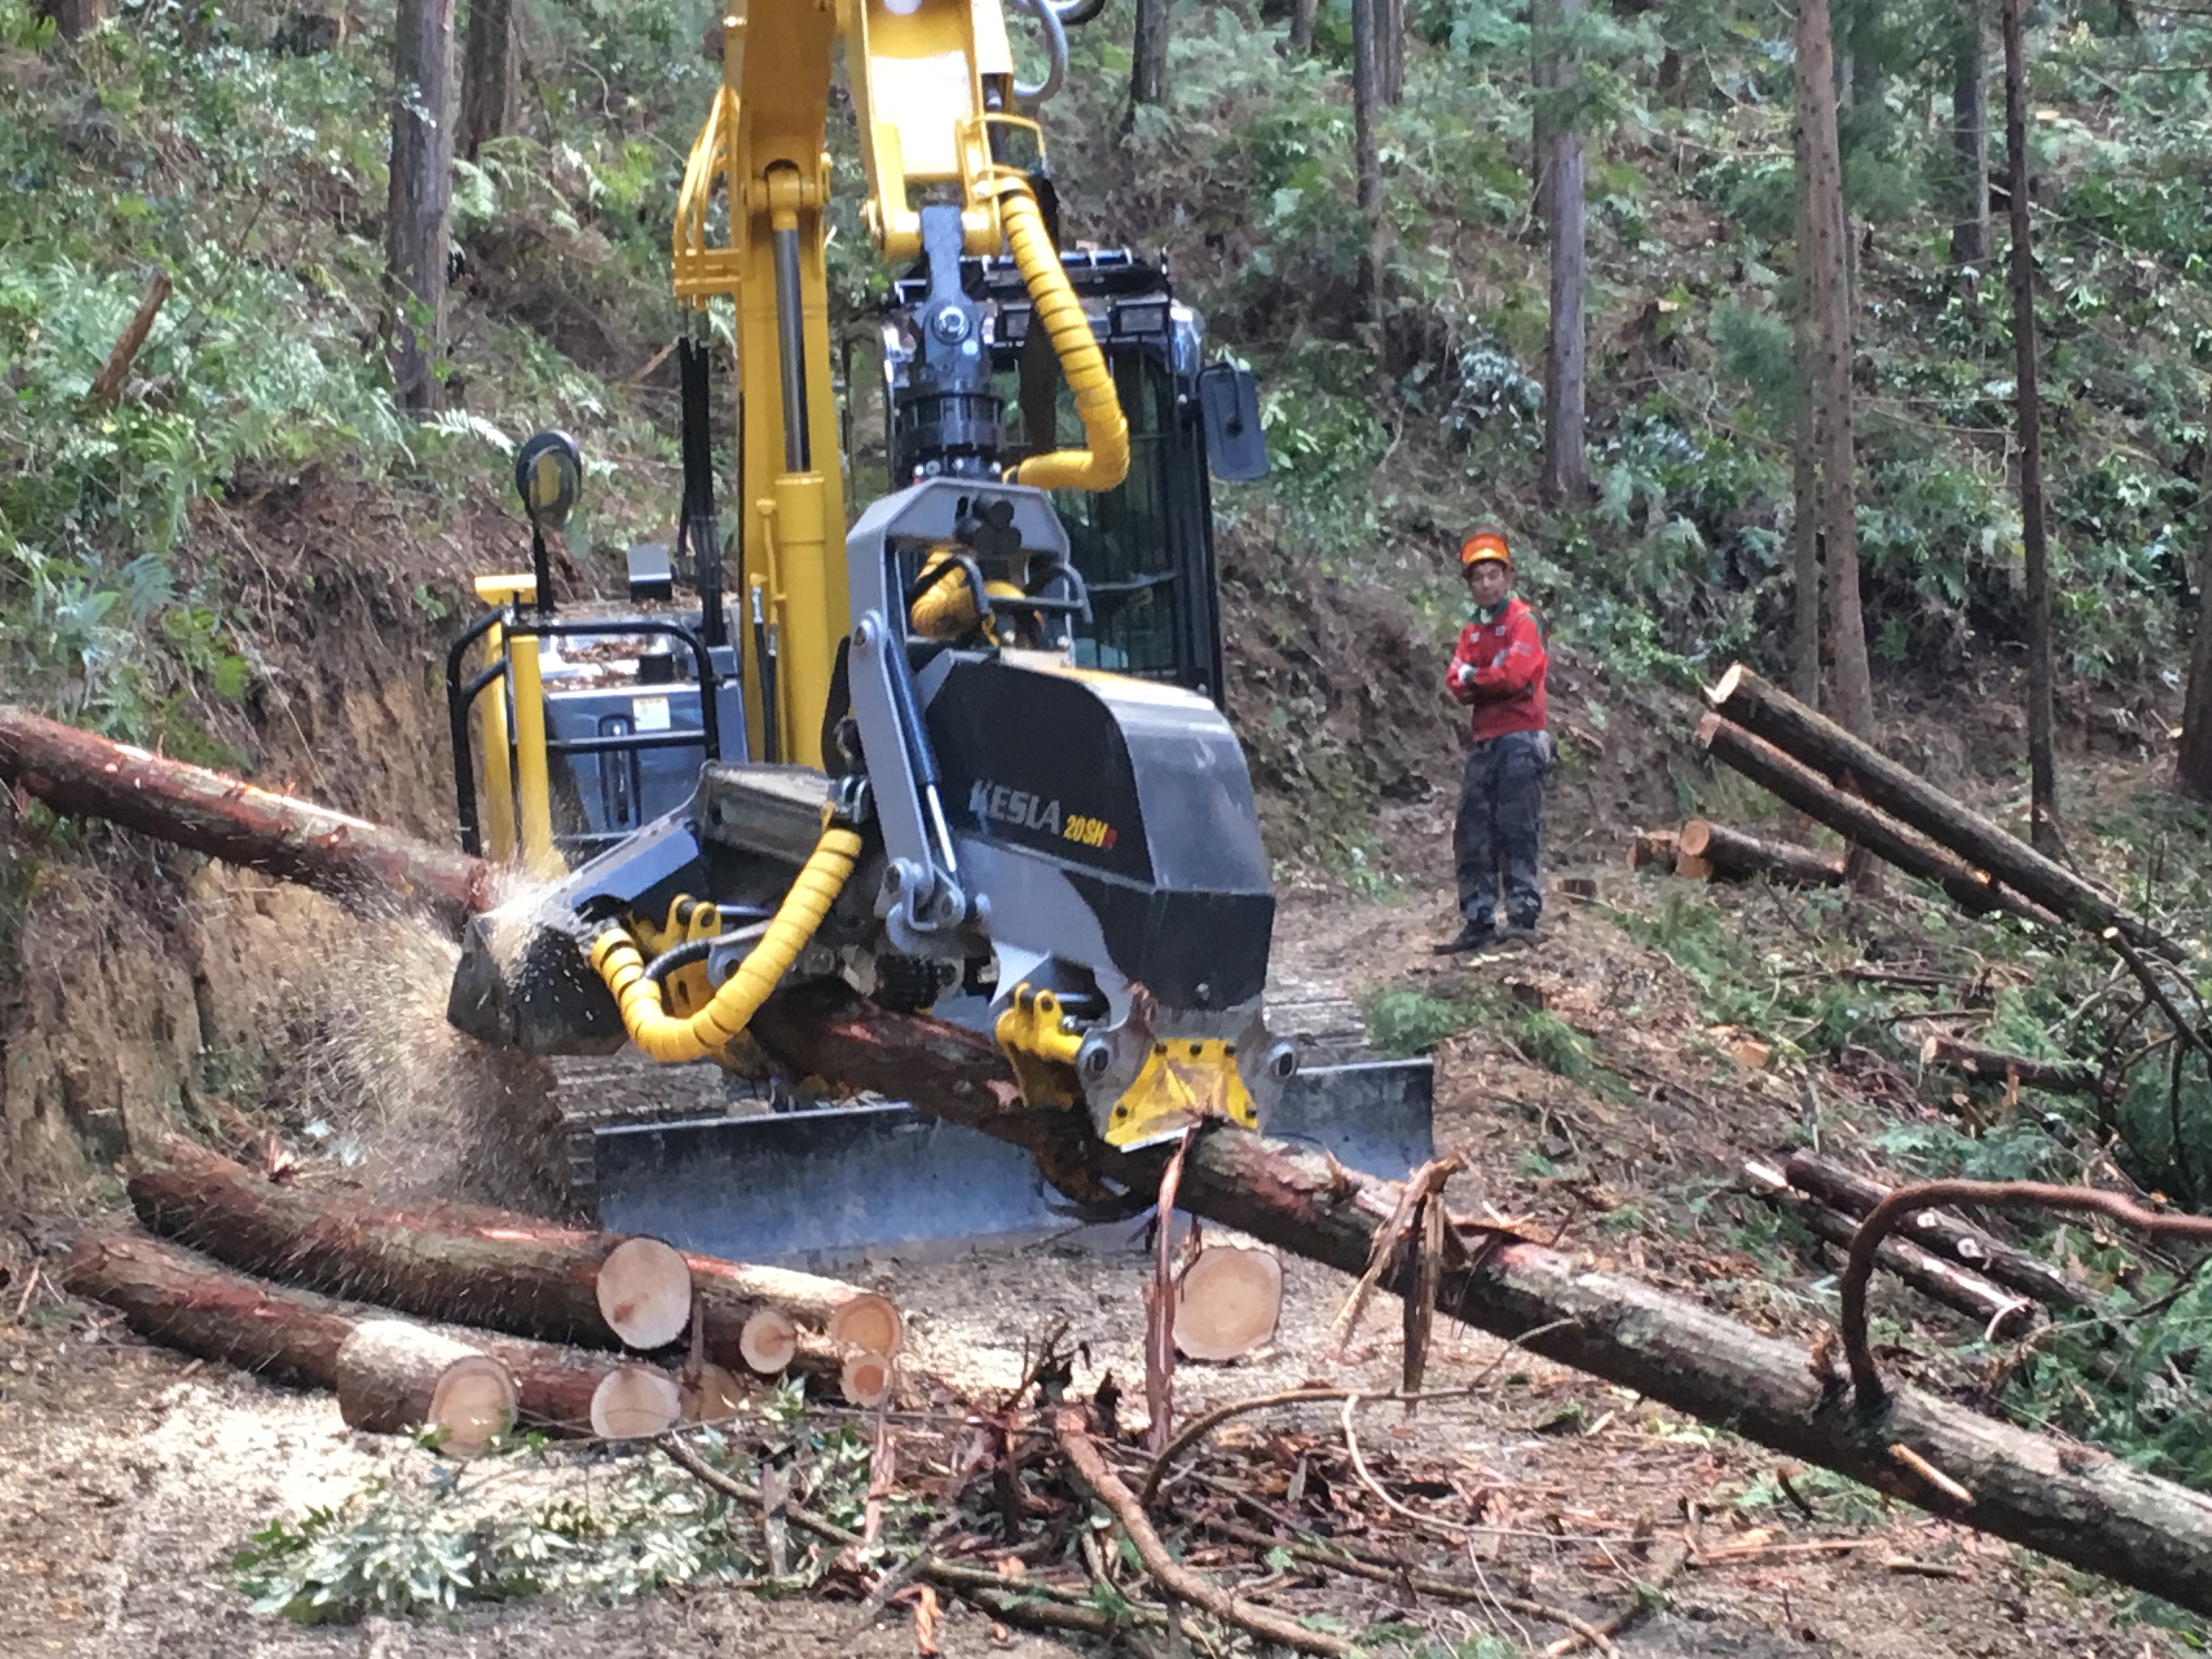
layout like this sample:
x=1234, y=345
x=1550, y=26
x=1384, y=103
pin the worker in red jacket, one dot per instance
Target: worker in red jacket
x=1497, y=672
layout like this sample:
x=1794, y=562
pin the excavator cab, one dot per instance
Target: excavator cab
x=1145, y=548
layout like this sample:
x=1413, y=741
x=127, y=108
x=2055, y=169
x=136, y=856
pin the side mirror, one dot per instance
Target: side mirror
x=548, y=475
x=1229, y=402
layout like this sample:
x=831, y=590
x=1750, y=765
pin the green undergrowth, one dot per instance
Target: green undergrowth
x=528, y=1519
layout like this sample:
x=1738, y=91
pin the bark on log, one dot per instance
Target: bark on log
x=2058, y=1077
x=180, y=1299
x=355, y=861
x=464, y=1265
x=2001, y=1314
x=1854, y=1195
x=2094, y=1512
x=1797, y=785
x=1733, y=854
x=1654, y=849
x=393, y=1378
x=1774, y=714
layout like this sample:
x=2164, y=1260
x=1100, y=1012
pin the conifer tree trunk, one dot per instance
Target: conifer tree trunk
x=1826, y=285
x=1302, y=13
x=2043, y=781
x=1148, y=57
x=1366, y=96
x=73, y=19
x=1390, y=51
x=2192, y=771
x=1805, y=475
x=422, y=191
x=1969, y=123
x=487, y=75
x=1566, y=471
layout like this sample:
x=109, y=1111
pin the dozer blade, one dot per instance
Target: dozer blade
x=819, y=1189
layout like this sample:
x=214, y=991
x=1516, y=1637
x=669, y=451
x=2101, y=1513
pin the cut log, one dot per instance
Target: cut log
x=1854, y=1195
x=2058, y=1077
x=2097, y=1513
x=644, y=1292
x=2000, y=1313
x=1799, y=785
x=357, y=862
x=1227, y=1302
x=393, y=1378
x=466, y=1265
x=866, y=1379
x=635, y=1402
x=1653, y=849
x=1739, y=857
x=1774, y=714
x=1690, y=867
x=767, y=1340
x=869, y=1322
x=182, y=1300
x=715, y=1395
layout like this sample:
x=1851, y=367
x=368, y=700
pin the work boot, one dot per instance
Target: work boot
x=1519, y=931
x=1472, y=936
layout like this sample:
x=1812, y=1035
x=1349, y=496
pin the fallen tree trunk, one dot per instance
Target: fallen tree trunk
x=2001, y=1314
x=182, y=1300
x=78, y=774
x=2092, y=1511
x=1797, y=785
x=1774, y=714
x=2058, y=1077
x=1854, y=1195
x=1733, y=853
x=464, y=1265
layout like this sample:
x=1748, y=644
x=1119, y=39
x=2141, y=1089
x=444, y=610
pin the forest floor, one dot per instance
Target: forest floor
x=129, y=1476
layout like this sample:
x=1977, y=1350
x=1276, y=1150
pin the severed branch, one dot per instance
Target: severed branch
x=107, y=385
x=1023, y=1601
x=1866, y=1378
x=1171, y=1576
x=1422, y=1583
x=2015, y=1071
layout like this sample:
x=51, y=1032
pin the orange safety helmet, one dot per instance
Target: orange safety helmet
x=1482, y=546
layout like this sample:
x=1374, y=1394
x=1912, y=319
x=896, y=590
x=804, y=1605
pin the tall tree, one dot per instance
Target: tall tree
x=1970, y=124
x=1148, y=57
x=2042, y=769
x=1805, y=468
x=487, y=75
x=1366, y=96
x=1566, y=468
x=2192, y=772
x=1824, y=287
x=1302, y=13
x=1390, y=51
x=73, y=19
x=422, y=193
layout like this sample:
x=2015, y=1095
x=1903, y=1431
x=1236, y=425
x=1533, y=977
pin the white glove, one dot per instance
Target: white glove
x=1463, y=674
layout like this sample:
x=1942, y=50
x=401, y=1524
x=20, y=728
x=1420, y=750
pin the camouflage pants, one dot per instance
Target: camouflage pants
x=1501, y=828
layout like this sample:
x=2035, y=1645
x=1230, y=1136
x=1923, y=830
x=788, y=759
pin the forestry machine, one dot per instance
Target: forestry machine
x=969, y=760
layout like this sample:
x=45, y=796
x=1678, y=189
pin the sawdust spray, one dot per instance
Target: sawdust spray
x=427, y=1110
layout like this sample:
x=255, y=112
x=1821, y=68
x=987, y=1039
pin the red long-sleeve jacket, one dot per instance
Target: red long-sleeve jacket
x=1497, y=671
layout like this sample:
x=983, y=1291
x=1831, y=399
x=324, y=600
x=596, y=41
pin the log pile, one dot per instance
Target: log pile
x=1702, y=850
x=539, y=1295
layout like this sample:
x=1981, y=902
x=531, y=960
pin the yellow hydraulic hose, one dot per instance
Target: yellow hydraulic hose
x=1060, y=314
x=666, y=1038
